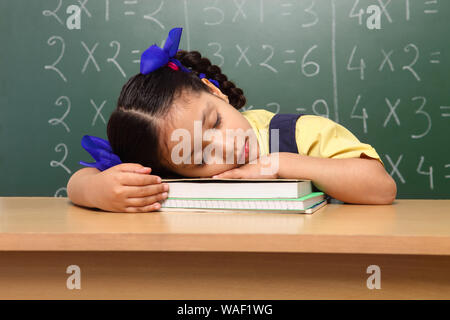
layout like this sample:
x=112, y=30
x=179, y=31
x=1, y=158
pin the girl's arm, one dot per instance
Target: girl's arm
x=126, y=187
x=352, y=180
x=79, y=188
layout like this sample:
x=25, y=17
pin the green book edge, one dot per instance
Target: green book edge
x=308, y=196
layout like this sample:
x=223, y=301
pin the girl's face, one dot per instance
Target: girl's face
x=211, y=118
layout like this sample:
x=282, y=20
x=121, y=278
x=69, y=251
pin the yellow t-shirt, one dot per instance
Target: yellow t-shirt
x=316, y=136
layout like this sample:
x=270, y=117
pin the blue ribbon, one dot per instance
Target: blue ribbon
x=101, y=151
x=154, y=57
x=215, y=82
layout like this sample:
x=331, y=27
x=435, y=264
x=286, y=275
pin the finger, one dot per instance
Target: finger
x=148, y=208
x=138, y=179
x=145, y=191
x=129, y=167
x=145, y=170
x=146, y=201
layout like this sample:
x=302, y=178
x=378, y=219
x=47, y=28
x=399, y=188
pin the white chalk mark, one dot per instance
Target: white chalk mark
x=61, y=147
x=186, y=22
x=437, y=53
x=90, y=57
x=150, y=16
x=242, y=56
x=392, y=112
x=325, y=104
x=56, y=121
x=429, y=173
x=384, y=10
x=106, y=10
x=113, y=59
x=83, y=7
x=136, y=52
x=314, y=14
x=313, y=64
x=264, y=63
x=48, y=13
x=261, y=11
x=407, y=10
x=421, y=111
x=386, y=59
x=98, y=111
x=416, y=57
x=362, y=64
x=430, y=11
x=52, y=41
x=444, y=115
x=447, y=166
x=58, y=193
x=239, y=10
x=218, y=10
x=364, y=115
x=395, y=167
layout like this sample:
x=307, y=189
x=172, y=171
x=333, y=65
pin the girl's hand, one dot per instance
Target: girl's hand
x=266, y=167
x=127, y=187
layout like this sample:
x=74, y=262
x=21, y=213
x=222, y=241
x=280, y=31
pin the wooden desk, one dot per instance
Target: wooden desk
x=186, y=255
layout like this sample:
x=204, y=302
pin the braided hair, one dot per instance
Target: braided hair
x=198, y=64
x=134, y=127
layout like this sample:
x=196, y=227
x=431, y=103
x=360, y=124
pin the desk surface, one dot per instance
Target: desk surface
x=55, y=224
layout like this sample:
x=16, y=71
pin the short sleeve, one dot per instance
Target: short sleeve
x=318, y=136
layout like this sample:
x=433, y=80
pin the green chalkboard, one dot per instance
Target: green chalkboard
x=389, y=86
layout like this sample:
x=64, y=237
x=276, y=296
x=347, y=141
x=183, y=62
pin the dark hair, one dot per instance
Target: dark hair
x=134, y=127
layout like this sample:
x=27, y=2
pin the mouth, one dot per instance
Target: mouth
x=247, y=150
x=243, y=157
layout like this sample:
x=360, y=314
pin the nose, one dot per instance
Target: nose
x=231, y=149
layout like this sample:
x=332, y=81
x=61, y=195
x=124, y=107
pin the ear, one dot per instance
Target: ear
x=214, y=90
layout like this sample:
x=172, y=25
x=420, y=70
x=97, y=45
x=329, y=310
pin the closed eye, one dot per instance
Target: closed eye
x=218, y=122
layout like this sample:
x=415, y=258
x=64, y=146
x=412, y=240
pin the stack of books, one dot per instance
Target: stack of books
x=268, y=195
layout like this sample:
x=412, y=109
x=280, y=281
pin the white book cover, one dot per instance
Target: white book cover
x=238, y=188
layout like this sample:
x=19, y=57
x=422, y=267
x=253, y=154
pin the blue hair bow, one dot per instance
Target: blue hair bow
x=215, y=82
x=154, y=57
x=101, y=151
